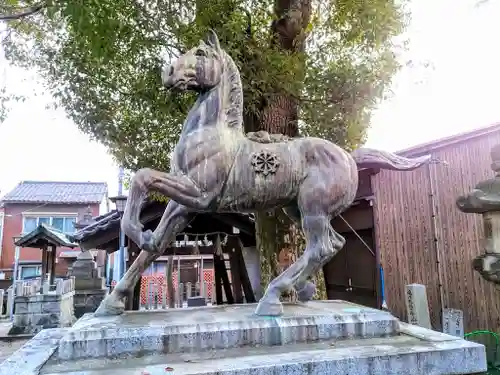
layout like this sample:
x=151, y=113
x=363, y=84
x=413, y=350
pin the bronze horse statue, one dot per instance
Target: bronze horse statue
x=216, y=168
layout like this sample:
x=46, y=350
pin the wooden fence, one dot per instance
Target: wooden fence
x=157, y=297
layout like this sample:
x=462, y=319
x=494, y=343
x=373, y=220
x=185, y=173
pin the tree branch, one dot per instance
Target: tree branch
x=4, y=39
x=23, y=13
x=248, y=31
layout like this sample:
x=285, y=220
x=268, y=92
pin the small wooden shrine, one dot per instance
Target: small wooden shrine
x=47, y=239
x=222, y=236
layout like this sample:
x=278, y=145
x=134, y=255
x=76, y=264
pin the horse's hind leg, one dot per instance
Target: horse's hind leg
x=318, y=203
x=305, y=288
x=316, y=230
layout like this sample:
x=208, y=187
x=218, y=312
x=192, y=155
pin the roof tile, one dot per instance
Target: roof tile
x=56, y=192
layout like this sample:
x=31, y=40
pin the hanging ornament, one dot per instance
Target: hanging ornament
x=196, y=249
x=224, y=243
x=218, y=245
x=186, y=239
x=205, y=240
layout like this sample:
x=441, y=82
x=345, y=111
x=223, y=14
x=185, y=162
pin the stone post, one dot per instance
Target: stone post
x=484, y=199
x=180, y=294
x=2, y=293
x=90, y=287
x=417, y=306
x=453, y=322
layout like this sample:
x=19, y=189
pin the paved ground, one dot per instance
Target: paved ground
x=8, y=347
x=4, y=327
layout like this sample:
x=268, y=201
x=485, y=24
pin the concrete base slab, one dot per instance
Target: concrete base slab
x=306, y=340
x=220, y=327
x=376, y=357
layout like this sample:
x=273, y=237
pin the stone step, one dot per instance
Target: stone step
x=406, y=353
x=220, y=327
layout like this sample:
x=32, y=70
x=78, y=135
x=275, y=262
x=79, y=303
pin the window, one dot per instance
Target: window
x=30, y=223
x=58, y=223
x=64, y=224
x=30, y=271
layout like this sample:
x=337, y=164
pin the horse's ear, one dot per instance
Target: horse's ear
x=213, y=40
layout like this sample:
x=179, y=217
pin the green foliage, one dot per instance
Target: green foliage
x=101, y=61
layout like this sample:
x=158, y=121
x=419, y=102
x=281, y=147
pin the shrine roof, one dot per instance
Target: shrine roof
x=45, y=235
x=100, y=223
x=103, y=232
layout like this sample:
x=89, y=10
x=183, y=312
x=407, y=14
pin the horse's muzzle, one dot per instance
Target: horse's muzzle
x=167, y=76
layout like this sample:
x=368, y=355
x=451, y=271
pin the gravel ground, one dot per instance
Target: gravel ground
x=9, y=347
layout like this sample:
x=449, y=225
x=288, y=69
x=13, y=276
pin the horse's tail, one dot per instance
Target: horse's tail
x=370, y=158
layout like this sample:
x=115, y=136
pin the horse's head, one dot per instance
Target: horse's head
x=199, y=69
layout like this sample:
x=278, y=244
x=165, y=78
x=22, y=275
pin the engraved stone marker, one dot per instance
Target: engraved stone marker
x=417, y=306
x=453, y=322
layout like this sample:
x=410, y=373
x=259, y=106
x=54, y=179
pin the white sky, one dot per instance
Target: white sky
x=457, y=95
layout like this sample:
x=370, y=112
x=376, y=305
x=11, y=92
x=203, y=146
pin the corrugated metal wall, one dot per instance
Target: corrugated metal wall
x=414, y=250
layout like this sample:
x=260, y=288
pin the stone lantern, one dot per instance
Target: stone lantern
x=90, y=286
x=484, y=199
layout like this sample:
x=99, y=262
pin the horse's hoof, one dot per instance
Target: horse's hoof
x=307, y=292
x=110, y=307
x=147, y=242
x=269, y=308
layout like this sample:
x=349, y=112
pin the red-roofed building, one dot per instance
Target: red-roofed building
x=58, y=204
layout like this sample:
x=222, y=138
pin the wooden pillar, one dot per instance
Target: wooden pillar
x=47, y=260
x=218, y=282
x=136, y=300
x=222, y=280
x=52, y=258
x=202, y=276
x=44, y=265
x=133, y=300
x=235, y=269
x=243, y=273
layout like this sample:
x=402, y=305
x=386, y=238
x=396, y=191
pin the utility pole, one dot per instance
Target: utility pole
x=123, y=264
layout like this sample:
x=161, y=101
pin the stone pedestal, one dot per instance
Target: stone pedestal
x=320, y=337
x=90, y=287
x=43, y=310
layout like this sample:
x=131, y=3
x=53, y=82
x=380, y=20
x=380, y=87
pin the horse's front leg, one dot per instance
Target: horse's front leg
x=180, y=189
x=137, y=195
x=157, y=241
x=175, y=218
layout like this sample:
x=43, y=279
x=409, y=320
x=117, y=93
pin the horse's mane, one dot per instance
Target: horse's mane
x=234, y=101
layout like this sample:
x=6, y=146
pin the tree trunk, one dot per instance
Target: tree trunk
x=278, y=113
x=276, y=232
